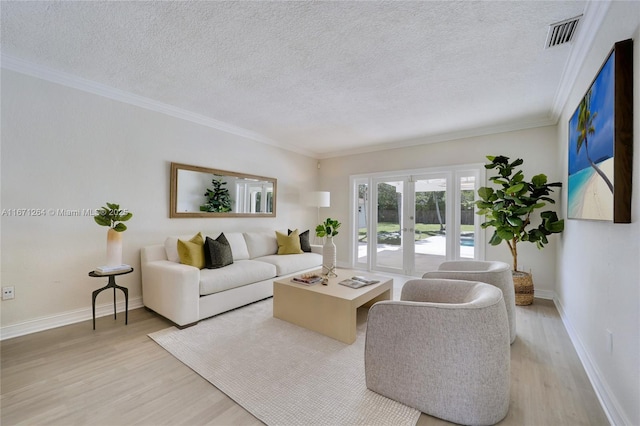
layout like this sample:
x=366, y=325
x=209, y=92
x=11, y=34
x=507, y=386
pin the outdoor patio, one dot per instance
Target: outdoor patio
x=429, y=253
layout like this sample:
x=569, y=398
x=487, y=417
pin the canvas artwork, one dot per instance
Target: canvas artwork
x=600, y=145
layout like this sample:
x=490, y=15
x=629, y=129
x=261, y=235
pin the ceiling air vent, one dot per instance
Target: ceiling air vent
x=562, y=32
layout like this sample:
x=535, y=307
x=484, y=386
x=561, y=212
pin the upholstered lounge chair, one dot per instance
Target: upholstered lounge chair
x=442, y=349
x=491, y=272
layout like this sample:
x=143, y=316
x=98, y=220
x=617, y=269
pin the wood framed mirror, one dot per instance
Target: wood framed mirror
x=203, y=192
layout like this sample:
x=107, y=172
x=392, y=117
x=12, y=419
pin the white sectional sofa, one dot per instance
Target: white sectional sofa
x=185, y=294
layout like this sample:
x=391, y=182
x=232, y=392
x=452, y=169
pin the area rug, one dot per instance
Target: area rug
x=281, y=373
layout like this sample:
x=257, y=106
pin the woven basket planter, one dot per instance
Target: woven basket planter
x=523, y=284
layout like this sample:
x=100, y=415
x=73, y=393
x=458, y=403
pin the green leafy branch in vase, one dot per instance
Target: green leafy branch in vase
x=113, y=216
x=329, y=228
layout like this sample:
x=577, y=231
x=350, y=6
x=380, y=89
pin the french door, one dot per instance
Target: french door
x=409, y=223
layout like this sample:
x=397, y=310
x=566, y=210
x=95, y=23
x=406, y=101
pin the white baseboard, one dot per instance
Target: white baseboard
x=66, y=318
x=607, y=400
x=544, y=294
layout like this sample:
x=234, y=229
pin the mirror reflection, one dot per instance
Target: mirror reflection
x=203, y=192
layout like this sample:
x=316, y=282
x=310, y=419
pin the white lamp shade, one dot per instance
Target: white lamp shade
x=322, y=198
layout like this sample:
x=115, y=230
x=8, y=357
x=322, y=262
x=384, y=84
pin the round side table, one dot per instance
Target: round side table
x=111, y=284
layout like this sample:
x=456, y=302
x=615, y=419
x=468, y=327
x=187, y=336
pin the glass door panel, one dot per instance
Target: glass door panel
x=388, y=235
x=468, y=218
x=363, y=220
x=430, y=236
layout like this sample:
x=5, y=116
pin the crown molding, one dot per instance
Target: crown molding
x=444, y=137
x=594, y=14
x=48, y=74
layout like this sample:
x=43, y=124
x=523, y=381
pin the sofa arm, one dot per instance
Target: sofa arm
x=316, y=248
x=172, y=290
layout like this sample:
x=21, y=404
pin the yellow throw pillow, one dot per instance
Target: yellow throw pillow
x=289, y=244
x=192, y=252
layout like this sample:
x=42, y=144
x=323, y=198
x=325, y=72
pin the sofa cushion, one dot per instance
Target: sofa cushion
x=192, y=252
x=237, y=274
x=293, y=263
x=288, y=244
x=305, y=243
x=261, y=243
x=238, y=245
x=217, y=253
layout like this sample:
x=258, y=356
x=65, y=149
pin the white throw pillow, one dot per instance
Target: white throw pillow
x=238, y=245
x=261, y=243
x=171, y=246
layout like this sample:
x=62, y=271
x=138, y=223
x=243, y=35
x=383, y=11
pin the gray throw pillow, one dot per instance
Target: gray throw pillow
x=217, y=253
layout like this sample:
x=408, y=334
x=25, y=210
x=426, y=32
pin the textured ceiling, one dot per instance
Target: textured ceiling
x=322, y=78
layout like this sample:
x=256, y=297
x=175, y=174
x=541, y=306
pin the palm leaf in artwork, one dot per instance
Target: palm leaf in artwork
x=585, y=129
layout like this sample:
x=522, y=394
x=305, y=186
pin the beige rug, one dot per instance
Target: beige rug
x=281, y=373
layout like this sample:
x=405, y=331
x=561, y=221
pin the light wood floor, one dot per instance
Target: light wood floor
x=116, y=375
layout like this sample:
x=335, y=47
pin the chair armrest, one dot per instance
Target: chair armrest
x=172, y=290
x=436, y=290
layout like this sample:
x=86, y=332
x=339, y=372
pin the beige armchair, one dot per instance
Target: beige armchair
x=442, y=349
x=490, y=272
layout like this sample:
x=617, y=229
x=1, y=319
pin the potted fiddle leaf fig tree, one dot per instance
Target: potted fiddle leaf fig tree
x=509, y=209
x=218, y=198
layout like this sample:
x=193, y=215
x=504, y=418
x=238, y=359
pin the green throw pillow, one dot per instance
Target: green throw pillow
x=217, y=253
x=289, y=244
x=192, y=252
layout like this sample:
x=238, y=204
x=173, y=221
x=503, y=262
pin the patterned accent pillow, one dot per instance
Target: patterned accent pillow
x=217, y=253
x=305, y=245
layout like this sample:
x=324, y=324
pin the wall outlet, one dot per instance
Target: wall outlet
x=8, y=293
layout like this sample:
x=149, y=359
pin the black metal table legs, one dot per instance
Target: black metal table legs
x=112, y=284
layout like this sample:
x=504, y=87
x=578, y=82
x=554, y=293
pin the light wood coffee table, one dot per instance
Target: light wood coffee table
x=328, y=309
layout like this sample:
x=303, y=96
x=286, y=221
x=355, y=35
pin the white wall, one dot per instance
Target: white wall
x=66, y=149
x=599, y=262
x=535, y=146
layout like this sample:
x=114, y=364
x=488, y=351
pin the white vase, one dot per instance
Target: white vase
x=114, y=247
x=329, y=258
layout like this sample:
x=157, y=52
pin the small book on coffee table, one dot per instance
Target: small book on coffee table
x=308, y=279
x=357, y=282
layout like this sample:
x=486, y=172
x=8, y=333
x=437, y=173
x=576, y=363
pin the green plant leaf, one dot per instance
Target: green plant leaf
x=516, y=163
x=120, y=227
x=504, y=233
x=515, y=221
x=515, y=188
x=495, y=239
x=485, y=192
x=555, y=227
x=101, y=220
x=539, y=180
